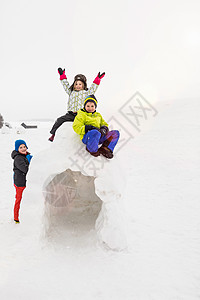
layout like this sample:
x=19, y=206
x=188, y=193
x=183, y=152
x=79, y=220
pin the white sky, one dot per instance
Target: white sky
x=148, y=46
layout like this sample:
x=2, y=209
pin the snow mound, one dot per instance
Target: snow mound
x=81, y=194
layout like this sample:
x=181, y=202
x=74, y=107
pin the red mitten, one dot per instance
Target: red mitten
x=98, y=78
x=62, y=74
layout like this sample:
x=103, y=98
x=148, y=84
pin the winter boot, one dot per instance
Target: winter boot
x=106, y=152
x=52, y=138
x=94, y=153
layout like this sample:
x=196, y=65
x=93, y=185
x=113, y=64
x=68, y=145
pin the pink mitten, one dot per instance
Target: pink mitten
x=62, y=74
x=98, y=78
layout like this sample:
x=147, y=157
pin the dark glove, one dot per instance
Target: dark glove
x=72, y=113
x=90, y=127
x=101, y=75
x=62, y=73
x=104, y=130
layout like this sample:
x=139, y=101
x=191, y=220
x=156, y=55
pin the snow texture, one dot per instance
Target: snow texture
x=76, y=181
x=144, y=202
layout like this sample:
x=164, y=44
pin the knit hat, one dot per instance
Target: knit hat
x=82, y=78
x=90, y=98
x=19, y=143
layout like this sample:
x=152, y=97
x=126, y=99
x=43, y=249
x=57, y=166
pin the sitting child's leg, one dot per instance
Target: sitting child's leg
x=110, y=139
x=91, y=139
x=109, y=142
x=68, y=117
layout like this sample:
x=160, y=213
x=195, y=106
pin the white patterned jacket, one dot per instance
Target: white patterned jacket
x=76, y=98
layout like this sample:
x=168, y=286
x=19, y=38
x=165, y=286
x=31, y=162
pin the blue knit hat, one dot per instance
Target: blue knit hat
x=18, y=143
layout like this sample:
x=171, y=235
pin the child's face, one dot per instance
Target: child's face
x=22, y=149
x=90, y=107
x=78, y=85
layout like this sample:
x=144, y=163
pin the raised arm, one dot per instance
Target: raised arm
x=95, y=83
x=64, y=81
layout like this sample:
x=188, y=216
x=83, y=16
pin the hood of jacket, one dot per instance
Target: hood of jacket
x=15, y=153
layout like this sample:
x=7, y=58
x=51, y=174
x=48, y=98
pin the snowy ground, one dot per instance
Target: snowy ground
x=162, y=260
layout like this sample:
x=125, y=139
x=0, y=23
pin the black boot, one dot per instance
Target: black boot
x=106, y=152
x=94, y=153
x=52, y=138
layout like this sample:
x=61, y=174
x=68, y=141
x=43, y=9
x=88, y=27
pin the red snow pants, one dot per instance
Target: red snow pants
x=18, y=196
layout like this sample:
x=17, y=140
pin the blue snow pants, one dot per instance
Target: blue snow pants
x=93, y=138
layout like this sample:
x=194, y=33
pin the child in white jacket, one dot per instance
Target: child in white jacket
x=77, y=92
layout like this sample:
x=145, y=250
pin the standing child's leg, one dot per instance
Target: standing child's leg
x=19, y=191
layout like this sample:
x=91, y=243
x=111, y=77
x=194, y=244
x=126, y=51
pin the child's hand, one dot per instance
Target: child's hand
x=101, y=75
x=62, y=73
x=103, y=130
x=29, y=157
x=90, y=127
x=98, y=78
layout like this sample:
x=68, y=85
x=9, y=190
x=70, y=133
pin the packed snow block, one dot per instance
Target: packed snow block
x=20, y=130
x=5, y=130
x=8, y=125
x=80, y=190
x=111, y=224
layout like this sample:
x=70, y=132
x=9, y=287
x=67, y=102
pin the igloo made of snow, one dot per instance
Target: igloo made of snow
x=78, y=193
